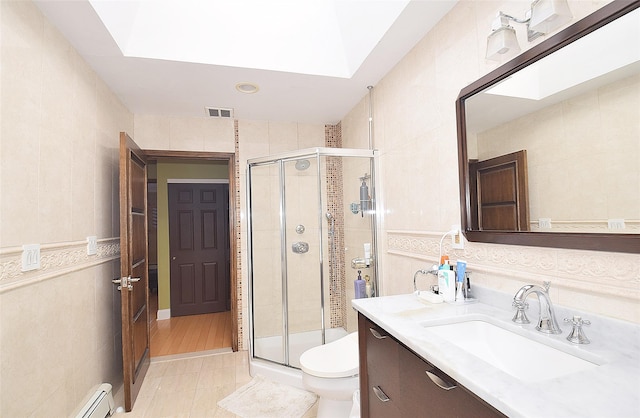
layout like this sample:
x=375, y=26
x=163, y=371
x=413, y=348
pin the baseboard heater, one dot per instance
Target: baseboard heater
x=99, y=405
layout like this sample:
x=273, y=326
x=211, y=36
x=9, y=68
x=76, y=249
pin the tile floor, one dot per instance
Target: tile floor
x=190, y=386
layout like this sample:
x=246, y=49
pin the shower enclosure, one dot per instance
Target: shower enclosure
x=307, y=226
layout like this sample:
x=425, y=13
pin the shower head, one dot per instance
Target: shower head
x=329, y=217
x=302, y=165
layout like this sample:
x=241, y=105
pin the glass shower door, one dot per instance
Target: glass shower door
x=304, y=256
x=266, y=284
x=287, y=265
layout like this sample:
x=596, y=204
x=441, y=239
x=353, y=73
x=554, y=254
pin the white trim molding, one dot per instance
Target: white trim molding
x=163, y=314
x=55, y=260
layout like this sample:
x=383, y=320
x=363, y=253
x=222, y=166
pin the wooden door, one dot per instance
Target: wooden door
x=500, y=201
x=199, y=247
x=134, y=288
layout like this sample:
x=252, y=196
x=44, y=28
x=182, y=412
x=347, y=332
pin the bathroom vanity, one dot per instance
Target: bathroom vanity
x=399, y=383
x=418, y=358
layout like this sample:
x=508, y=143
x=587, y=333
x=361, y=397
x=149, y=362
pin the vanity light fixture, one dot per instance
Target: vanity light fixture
x=549, y=15
x=544, y=17
x=247, y=88
x=502, y=39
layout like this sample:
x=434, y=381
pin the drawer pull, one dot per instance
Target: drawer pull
x=443, y=384
x=380, y=394
x=377, y=334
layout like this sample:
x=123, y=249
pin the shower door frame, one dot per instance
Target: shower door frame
x=279, y=160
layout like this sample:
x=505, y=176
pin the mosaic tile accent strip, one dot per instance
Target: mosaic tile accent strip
x=335, y=205
x=238, y=239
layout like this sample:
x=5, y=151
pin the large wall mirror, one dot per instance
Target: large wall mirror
x=549, y=143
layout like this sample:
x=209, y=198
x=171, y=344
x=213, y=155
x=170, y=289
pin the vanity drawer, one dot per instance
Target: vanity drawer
x=382, y=371
x=426, y=388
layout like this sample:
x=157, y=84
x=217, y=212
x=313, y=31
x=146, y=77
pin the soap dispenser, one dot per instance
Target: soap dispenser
x=359, y=287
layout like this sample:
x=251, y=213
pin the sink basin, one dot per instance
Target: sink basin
x=521, y=357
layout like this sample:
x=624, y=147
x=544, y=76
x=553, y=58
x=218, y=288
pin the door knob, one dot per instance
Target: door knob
x=130, y=281
x=126, y=282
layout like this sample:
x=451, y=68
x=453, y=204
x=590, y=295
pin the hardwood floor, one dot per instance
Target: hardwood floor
x=188, y=334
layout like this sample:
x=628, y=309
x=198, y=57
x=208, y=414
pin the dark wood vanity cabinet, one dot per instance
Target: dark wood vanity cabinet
x=395, y=382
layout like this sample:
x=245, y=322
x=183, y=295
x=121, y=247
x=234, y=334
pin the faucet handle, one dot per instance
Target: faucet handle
x=578, y=321
x=577, y=335
x=520, y=304
x=520, y=317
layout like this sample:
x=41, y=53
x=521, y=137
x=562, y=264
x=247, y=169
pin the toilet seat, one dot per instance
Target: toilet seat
x=336, y=359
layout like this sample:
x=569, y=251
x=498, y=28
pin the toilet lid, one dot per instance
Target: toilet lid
x=336, y=359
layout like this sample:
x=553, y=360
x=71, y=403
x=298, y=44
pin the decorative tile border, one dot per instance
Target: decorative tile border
x=238, y=238
x=605, y=273
x=55, y=260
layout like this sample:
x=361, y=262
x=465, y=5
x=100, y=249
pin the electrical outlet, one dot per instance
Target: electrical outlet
x=544, y=223
x=92, y=245
x=457, y=239
x=616, y=223
x=30, y=257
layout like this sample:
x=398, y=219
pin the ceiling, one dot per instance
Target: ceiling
x=311, y=59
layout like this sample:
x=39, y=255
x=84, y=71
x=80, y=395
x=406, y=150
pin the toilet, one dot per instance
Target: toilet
x=331, y=372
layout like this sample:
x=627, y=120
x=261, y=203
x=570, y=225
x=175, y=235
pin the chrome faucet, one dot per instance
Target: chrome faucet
x=433, y=271
x=547, y=321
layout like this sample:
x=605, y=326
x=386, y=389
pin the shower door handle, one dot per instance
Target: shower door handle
x=300, y=247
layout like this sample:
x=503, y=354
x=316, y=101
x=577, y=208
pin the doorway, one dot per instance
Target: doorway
x=195, y=331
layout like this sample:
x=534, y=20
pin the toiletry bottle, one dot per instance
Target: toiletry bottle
x=367, y=254
x=367, y=286
x=446, y=282
x=359, y=286
x=461, y=268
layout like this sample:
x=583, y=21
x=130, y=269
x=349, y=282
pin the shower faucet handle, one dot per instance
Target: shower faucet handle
x=300, y=247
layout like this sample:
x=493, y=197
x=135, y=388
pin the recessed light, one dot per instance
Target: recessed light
x=248, y=88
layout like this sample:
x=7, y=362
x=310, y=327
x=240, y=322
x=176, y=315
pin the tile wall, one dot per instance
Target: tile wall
x=60, y=324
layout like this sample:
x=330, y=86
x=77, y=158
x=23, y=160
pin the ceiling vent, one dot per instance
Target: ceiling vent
x=219, y=112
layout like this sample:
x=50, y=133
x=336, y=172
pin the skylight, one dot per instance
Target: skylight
x=316, y=37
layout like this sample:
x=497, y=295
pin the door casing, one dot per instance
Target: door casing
x=234, y=228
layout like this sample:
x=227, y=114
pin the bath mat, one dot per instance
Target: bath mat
x=262, y=398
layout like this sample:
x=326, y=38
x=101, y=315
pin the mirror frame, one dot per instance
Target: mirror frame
x=626, y=243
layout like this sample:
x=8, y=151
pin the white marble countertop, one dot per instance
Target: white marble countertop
x=612, y=389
